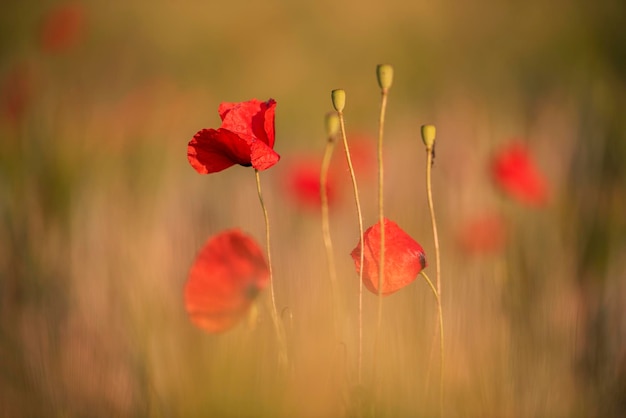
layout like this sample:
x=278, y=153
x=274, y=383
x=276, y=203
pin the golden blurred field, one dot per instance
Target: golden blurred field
x=102, y=216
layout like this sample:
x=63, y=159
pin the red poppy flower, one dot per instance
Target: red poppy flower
x=302, y=182
x=224, y=280
x=518, y=176
x=404, y=258
x=246, y=137
x=62, y=27
x=483, y=234
x=16, y=92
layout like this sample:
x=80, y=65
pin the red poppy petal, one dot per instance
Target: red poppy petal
x=252, y=118
x=262, y=156
x=225, y=278
x=404, y=258
x=213, y=150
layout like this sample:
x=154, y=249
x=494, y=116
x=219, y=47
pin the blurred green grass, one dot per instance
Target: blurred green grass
x=102, y=215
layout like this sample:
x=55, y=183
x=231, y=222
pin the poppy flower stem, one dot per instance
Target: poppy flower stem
x=279, y=333
x=428, y=137
x=339, y=102
x=328, y=243
x=381, y=213
x=440, y=314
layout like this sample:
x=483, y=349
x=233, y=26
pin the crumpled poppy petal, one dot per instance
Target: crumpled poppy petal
x=262, y=156
x=250, y=119
x=228, y=273
x=404, y=258
x=516, y=174
x=213, y=150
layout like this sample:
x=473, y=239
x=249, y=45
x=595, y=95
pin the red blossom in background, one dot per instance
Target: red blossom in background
x=246, y=137
x=302, y=182
x=16, y=92
x=515, y=172
x=62, y=28
x=483, y=234
x=225, y=278
x=404, y=258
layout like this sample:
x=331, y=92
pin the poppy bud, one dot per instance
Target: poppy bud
x=384, y=73
x=332, y=124
x=339, y=99
x=428, y=135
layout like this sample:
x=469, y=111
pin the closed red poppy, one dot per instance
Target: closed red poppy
x=225, y=278
x=516, y=174
x=246, y=137
x=404, y=258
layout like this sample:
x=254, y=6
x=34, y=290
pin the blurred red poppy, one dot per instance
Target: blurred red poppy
x=225, y=278
x=516, y=174
x=16, y=92
x=483, y=234
x=246, y=137
x=62, y=28
x=302, y=182
x=404, y=258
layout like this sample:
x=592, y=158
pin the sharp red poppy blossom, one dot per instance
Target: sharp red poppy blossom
x=227, y=275
x=246, y=137
x=516, y=174
x=404, y=258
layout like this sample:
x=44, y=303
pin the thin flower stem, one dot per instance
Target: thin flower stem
x=440, y=314
x=360, y=216
x=328, y=243
x=283, y=359
x=429, y=163
x=381, y=213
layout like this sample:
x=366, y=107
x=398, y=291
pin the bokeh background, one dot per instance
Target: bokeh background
x=102, y=216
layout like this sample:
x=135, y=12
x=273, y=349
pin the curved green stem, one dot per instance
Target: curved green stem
x=429, y=163
x=279, y=332
x=328, y=243
x=360, y=216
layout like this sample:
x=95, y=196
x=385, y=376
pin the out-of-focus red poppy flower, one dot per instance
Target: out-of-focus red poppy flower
x=482, y=234
x=302, y=182
x=246, y=137
x=62, y=28
x=225, y=278
x=516, y=174
x=16, y=92
x=363, y=156
x=404, y=258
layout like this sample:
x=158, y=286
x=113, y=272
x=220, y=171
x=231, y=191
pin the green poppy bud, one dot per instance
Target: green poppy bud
x=428, y=135
x=384, y=73
x=339, y=99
